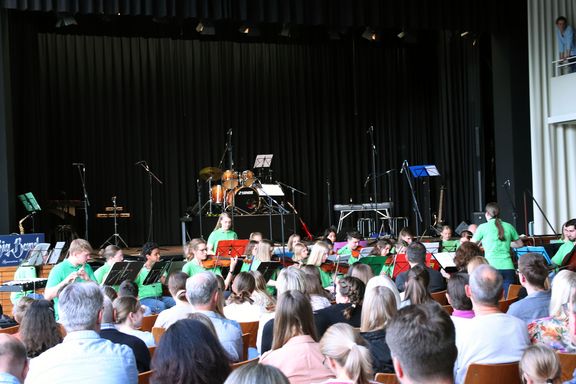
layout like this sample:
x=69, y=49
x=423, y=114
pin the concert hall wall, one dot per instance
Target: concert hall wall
x=111, y=98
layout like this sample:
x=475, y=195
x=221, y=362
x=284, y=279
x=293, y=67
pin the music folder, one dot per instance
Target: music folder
x=156, y=272
x=267, y=268
x=122, y=271
x=446, y=261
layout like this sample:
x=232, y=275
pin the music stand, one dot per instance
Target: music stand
x=32, y=207
x=36, y=256
x=56, y=253
x=175, y=266
x=231, y=248
x=156, y=273
x=376, y=263
x=267, y=268
x=529, y=249
x=122, y=271
x=421, y=172
x=446, y=261
x=263, y=161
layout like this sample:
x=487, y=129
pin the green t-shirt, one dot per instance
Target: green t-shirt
x=191, y=268
x=253, y=266
x=326, y=278
x=496, y=251
x=218, y=235
x=23, y=272
x=61, y=272
x=561, y=253
x=101, y=272
x=345, y=251
x=450, y=245
x=150, y=290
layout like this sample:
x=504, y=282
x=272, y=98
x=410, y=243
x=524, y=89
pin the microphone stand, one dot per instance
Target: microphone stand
x=506, y=187
x=151, y=177
x=82, y=173
x=293, y=190
x=541, y=211
x=199, y=189
x=329, y=203
x=415, y=207
x=374, y=172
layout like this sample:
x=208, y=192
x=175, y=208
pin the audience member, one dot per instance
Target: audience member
x=540, y=364
x=346, y=355
x=39, y=331
x=108, y=331
x=128, y=288
x=257, y=374
x=464, y=254
x=256, y=236
x=129, y=314
x=565, y=41
x=475, y=262
x=19, y=309
x=109, y=292
x=457, y=298
x=111, y=254
x=385, y=281
x=491, y=337
x=422, y=341
x=204, y=320
x=416, y=283
x=319, y=297
x=83, y=356
x=352, y=247
x=203, y=293
x=189, y=353
x=533, y=275
x=260, y=295
x=295, y=350
x=361, y=271
x=177, y=288
x=240, y=306
x=379, y=307
x=13, y=361
x=151, y=294
x=348, y=307
x=416, y=255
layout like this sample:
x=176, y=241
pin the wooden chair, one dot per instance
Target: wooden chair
x=157, y=333
x=151, y=350
x=386, y=378
x=513, y=291
x=506, y=373
x=505, y=304
x=568, y=364
x=245, y=362
x=440, y=297
x=10, y=330
x=148, y=322
x=250, y=327
x=144, y=377
x=448, y=308
x=245, y=341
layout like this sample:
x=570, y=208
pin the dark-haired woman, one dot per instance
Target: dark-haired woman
x=497, y=237
x=189, y=353
x=38, y=329
x=240, y=305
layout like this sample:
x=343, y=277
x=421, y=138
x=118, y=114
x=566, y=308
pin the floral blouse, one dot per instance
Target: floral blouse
x=550, y=331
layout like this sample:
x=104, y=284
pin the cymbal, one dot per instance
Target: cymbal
x=207, y=172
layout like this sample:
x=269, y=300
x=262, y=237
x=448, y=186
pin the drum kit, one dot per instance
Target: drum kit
x=235, y=192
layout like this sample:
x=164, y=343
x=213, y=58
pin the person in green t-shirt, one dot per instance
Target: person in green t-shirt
x=151, y=294
x=111, y=254
x=223, y=231
x=497, y=237
x=352, y=247
x=569, y=232
x=263, y=254
x=318, y=256
x=196, y=253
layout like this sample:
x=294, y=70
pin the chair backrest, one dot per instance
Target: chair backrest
x=245, y=362
x=10, y=330
x=144, y=377
x=251, y=327
x=568, y=364
x=506, y=373
x=245, y=341
x=151, y=350
x=505, y=304
x=157, y=333
x=440, y=297
x=513, y=290
x=448, y=308
x=148, y=322
x=386, y=378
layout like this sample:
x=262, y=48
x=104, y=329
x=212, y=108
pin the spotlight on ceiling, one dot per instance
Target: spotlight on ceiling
x=205, y=28
x=285, y=32
x=465, y=33
x=249, y=30
x=65, y=21
x=401, y=35
x=370, y=34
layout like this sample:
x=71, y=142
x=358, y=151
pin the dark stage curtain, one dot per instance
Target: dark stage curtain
x=112, y=101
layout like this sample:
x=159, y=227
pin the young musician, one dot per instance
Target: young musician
x=353, y=247
x=223, y=231
x=112, y=254
x=196, y=253
x=151, y=294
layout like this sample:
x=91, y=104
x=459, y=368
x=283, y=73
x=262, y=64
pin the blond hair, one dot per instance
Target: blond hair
x=124, y=306
x=319, y=249
x=264, y=250
x=561, y=288
x=80, y=245
x=475, y=262
x=378, y=308
x=193, y=246
x=541, y=364
x=298, y=248
x=220, y=217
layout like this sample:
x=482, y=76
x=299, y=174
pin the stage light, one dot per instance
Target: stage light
x=370, y=34
x=285, y=32
x=65, y=21
x=205, y=28
x=464, y=33
x=249, y=30
x=401, y=35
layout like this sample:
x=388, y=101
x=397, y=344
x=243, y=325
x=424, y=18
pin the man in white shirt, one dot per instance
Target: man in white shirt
x=491, y=337
x=13, y=360
x=83, y=356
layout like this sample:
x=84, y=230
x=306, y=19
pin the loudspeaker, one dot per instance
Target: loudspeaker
x=478, y=218
x=461, y=227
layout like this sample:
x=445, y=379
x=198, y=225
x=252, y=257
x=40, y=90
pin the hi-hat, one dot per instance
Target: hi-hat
x=210, y=172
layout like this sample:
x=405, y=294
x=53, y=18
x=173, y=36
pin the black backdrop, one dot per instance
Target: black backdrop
x=109, y=101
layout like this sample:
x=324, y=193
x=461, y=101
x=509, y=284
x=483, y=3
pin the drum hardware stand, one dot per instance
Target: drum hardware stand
x=82, y=171
x=151, y=176
x=293, y=190
x=370, y=132
x=199, y=189
x=115, y=236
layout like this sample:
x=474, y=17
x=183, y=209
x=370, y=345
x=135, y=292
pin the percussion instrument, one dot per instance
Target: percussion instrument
x=245, y=199
x=248, y=178
x=31, y=284
x=210, y=172
x=217, y=194
x=230, y=179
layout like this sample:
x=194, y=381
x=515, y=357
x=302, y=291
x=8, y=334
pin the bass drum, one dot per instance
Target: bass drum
x=245, y=199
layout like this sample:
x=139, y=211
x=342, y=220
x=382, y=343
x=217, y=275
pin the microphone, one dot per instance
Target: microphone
x=404, y=163
x=77, y=164
x=506, y=184
x=390, y=171
x=367, y=180
x=370, y=129
x=140, y=162
x=230, y=132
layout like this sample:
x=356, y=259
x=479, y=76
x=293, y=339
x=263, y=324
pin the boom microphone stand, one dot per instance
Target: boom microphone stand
x=82, y=171
x=151, y=177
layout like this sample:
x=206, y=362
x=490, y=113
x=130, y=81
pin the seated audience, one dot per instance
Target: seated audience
x=460, y=302
x=39, y=330
x=177, y=288
x=491, y=337
x=260, y=295
x=361, y=271
x=318, y=256
x=416, y=283
x=553, y=330
x=151, y=294
x=189, y=353
x=128, y=288
x=385, y=281
x=13, y=360
x=319, y=297
x=111, y=254
x=240, y=306
x=533, y=275
x=295, y=350
x=346, y=355
x=464, y=254
x=19, y=310
x=129, y=314
x=572, y=328
x=203, y=293
x=416, y=255
x=83, y=356
x=109, y=292
x=257, y=374
x=108, y=331
x=422, y=341
x=348, y=307
x=540, y=364
x=378, y=308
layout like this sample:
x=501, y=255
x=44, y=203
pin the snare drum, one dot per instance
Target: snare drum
x=230, y=179
x=217, y=194
x=248, y=178
x=245, y=199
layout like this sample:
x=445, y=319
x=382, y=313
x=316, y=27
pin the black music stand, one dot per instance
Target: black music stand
x=122, y=271
x=267, y=268
x=156, y=272
x=31, y=205
x=231, y=248
x=423, y=173
x=175, y=266
x=37, y=255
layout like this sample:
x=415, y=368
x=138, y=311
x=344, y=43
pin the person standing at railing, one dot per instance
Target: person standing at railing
x=565, y=39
